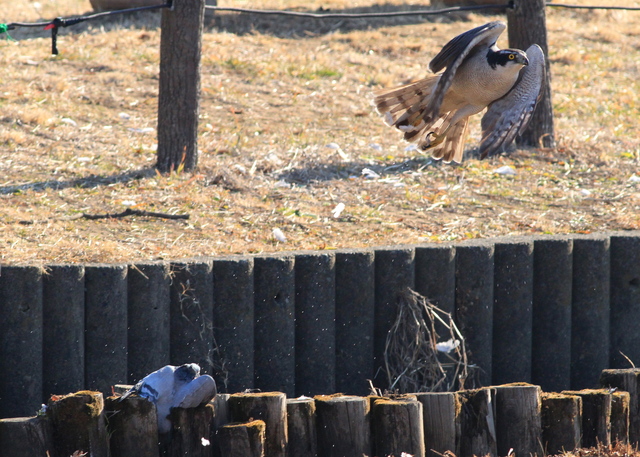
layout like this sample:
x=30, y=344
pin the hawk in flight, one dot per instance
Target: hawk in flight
x=434, y=112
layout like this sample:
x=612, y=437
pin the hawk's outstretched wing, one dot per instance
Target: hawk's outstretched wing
x=508, y=116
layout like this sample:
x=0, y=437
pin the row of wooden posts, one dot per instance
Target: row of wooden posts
x=487, y=421
x=551, y=311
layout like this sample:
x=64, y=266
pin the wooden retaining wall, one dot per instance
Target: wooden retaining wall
x=553, y=311
x=493, y=421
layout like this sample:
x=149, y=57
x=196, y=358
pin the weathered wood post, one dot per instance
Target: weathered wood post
x=25, y=437
x=301, y=426
x=561, y=422
x=78, y=424
x=397, y=427
x=620, y=417
x=596, y=416
x=343, y=425
x=20, y=340
x=271, y=407
x=179, y=92
x=245, y=439
x=441, y=416
x=190, y=426
x=477, y=422
x=518, y=419
x=629, y=381
x=133, y=427
x=527, y=26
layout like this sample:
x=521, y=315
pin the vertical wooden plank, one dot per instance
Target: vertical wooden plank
x=552, y=285
x=301, y=427
x=394, y=273
x=518, y=419
x=274, y=343
x=191, y=292
x=620, y=417
x=148, y=317
x=315, y=323
x=436, y=277
x=180, y=53
x=63, y=319
x=20, y=340
x=343, y=425
x=474, y=304
x=590, y=310
x=441, y=417
x=233, y=321
x=625, y=299
x=512, y=310
x=561, y=423
x=355, y=301
x=106, y=326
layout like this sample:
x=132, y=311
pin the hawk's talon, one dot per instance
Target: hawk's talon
x=437, y=140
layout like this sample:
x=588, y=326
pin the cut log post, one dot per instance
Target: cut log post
x=394, y=273
x=133, y=427
x=221, y=418
x=63, y=325
x=25, y=437
x=274, y=331
x=179, y=87
x=243, y=439
x=477, y=423
x=441, y=417
x=397, y=427
x=518, y=419
x=148, y=318
x=355, y=275
x=625, y=301
x=561, y=423
x=552, y=285
x=596, y=416
x=512, y=311
x=301, y=426
x=474, y=305
x=105, y=345
x=78, y=424
x=590, y=310
x=342, y=425
x=315, y=285
x=233, y=321
x=620, y=417
x=21, y=340
x=629, y=381
x=189, y=427
x=270, y=407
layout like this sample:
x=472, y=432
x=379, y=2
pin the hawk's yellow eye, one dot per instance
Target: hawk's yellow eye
x=511, y=56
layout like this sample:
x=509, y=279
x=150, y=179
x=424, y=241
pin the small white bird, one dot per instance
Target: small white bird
x=174, y=387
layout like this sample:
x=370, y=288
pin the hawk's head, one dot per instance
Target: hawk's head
x=504, y=57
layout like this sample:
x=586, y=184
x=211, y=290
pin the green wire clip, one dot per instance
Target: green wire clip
x=4, y=28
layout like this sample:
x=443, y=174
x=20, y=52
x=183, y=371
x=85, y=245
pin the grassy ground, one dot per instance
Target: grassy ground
x=286, y=130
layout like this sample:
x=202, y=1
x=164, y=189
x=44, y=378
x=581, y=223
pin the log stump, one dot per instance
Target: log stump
x=78, y=424
x=342, y=425
x=243, y=439
x=191, y=426
x=397, y=427
x=25, y=437
x=272, y=409
x=133, y=427
x=301, y=426
x=596, y=416
x=620, y=417
x=518, y=419
x=441, y=417
x=629, y=381
x=477, y=423
x=561, y=422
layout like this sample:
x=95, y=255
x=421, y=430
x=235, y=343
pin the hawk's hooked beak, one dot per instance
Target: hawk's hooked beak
x=521, y=58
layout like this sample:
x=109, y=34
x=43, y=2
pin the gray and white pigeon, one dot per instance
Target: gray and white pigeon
x=174, y=387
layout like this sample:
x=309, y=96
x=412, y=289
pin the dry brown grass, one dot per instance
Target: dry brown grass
x=272, y=100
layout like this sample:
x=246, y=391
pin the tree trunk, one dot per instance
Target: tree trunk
x=179, y=93
x=527, y=25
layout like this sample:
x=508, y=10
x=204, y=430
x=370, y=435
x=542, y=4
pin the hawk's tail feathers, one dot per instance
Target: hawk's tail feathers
x=452, y=148
x=403, y=107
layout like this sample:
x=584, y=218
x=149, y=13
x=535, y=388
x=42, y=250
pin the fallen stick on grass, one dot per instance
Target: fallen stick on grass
x=134, y=212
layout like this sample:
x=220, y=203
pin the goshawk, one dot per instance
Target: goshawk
x=434, y=112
